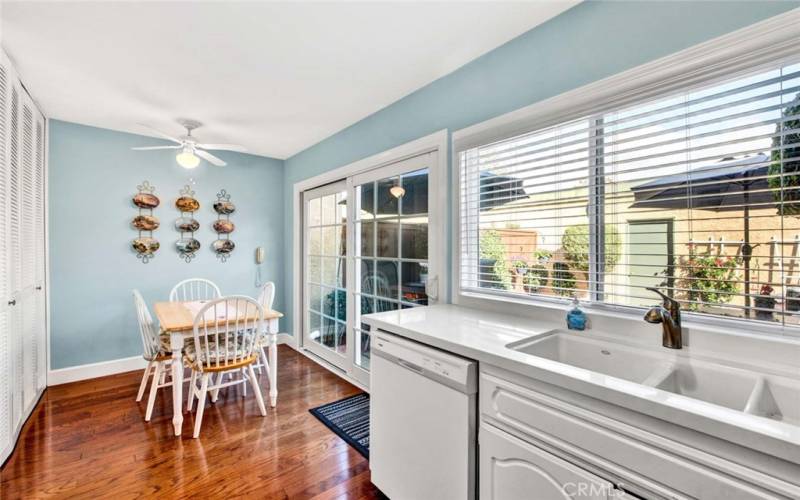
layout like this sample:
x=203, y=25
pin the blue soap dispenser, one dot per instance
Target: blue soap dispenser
x=576, y=318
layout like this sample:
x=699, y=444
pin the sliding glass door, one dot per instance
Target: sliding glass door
x=325, y=297
x=368, y=248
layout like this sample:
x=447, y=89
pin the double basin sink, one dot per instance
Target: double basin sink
x=751, y=392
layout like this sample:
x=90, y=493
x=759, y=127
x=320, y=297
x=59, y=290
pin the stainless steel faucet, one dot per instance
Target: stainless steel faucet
x=669, y=315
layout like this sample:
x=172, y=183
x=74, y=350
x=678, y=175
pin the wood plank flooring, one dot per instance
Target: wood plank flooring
x=89, y=440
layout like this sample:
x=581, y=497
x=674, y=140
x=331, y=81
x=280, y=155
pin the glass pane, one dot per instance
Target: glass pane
x=329, y=328
x=341, y=304
x=387, y=238
x=362, y=348
x=415, y=198
x=386, y=279
x=315, y=241
x=314, y=269
x=367, y=236
x=366, y=193
x=329, y=302
x=385, y=305
x=367, y=305
x=415, y=276
x=341, y=207
x=341, y=273
x=314, y=212
x=330, y=270
x=387, y=202
x=341, y=337
x=329, y=209
x=414, y=241
x=314, y=326
x=314, y=297
x=330, y=243
x=366, y=276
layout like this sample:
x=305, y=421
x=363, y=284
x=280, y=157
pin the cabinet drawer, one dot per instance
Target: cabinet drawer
x=614, y=445
x=512, y=469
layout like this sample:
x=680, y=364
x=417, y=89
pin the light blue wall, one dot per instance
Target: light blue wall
x=93, y=175
x=588, y=42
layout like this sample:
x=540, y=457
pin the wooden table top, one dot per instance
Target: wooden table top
x=176, y=316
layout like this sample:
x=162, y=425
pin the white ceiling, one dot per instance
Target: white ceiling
x=274, y=77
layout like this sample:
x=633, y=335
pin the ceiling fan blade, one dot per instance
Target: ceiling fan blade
x=210, y=158
x=148, y=148
x=224, y=147
x=161, y=134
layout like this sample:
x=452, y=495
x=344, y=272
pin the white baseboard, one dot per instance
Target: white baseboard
x=112, y=367
x=94, y=370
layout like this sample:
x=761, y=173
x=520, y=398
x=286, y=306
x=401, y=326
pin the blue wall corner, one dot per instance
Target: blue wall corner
x=93, y=173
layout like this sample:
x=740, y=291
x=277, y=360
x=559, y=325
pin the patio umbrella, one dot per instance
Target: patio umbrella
x=725, y=186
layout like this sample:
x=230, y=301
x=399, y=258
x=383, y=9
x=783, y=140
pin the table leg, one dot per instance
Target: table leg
x=273, y=362
x=176, y=344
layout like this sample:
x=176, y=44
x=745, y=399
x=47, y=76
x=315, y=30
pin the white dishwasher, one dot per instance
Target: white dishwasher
x=423, y=410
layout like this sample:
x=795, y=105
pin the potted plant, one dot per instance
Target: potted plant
x=709, y=279
x=765, y=303
x=535, y=279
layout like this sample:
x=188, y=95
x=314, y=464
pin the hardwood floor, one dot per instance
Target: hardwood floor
x=89, y=440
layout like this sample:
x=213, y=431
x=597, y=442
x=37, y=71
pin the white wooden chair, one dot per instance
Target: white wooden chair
x=155, y=352
x=226, y=332
x=194, y=289
x=265, y=298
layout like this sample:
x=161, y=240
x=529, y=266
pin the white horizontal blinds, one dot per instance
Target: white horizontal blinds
x=675, y=192
x=693, y=183
x=518, y=197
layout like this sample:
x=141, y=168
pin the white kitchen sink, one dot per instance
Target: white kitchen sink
x=751, y=392
x=628, y=363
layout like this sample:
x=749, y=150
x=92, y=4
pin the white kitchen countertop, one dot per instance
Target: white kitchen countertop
x=483, y=335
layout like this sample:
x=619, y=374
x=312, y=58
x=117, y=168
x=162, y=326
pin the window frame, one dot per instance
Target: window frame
x=775, y=41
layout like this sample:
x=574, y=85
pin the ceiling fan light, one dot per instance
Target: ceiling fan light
x=397, y=191
x=187, y=159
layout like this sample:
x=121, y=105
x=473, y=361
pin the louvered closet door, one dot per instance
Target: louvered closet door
x=28, y=251
x=15, y=262
x=5, y=289
x=40, y=327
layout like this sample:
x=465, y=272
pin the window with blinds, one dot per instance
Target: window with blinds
x=696, y=193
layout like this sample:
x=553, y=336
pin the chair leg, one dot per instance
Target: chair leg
x=151, y=401
x=265, y=360
x=244, y=383
x=257, y=390
x=192, y=388
x=218, y=382
x=145, y=377
x=201, y=403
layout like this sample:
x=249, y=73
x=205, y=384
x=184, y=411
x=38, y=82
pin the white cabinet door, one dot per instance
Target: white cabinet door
x=511, y=469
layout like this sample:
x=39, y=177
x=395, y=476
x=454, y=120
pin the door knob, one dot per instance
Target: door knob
x=38, y=287
x=12, y=302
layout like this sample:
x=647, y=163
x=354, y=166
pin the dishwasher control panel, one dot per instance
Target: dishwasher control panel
x=427, y=360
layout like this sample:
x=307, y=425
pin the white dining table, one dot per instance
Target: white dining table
x=177, y=321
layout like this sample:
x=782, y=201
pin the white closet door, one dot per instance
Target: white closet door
x=41, y=258
x=6, y=433
x=15, y=262
x=27, y=297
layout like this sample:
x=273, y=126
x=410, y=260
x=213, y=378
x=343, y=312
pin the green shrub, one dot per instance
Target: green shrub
x=493, y=250
x=576, y=246
x=563, y=281
x=535, y=279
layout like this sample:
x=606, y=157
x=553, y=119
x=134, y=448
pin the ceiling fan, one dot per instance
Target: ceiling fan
x=191, y=150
